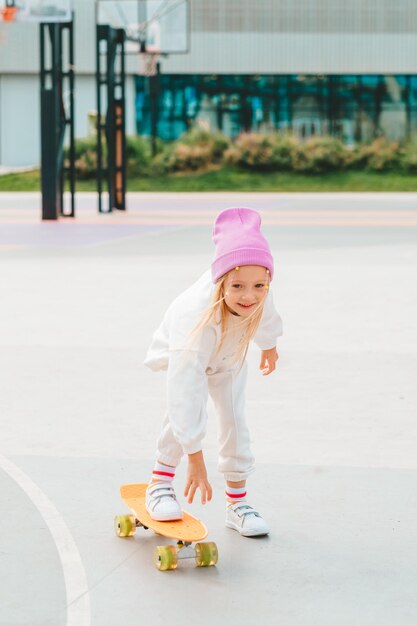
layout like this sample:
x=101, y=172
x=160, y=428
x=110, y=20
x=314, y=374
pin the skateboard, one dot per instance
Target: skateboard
x=187, y=531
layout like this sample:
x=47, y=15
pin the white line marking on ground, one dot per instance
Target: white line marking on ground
x=78, y=600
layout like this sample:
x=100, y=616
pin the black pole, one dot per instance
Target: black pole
x=123, y=120
x=407, y=95
x=331, y=113
x=71, y=121
x=54, y=119
x=98, y=123
x=49, y=177
x=154, y=90
x=358, y=128
x=289, y=101
x=112, y=79
x=119, y=135
x=110, y=117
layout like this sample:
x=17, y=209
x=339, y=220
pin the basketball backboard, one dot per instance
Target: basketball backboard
x=155, y=26
x=35, y=10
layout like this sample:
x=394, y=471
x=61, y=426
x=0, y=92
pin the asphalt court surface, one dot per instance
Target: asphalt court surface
x=333, y=430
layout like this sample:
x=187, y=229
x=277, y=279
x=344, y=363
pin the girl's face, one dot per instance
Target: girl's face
x=245, y=288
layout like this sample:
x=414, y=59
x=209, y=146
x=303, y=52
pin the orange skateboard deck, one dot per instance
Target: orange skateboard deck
x=186, y=531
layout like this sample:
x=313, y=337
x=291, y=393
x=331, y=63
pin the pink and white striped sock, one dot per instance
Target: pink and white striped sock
x=163, y=473
x=235, y=495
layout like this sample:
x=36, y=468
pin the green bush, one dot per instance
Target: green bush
x=409, y=159
x=261, y=152
x=196, y=149
x=86, y=144
x=381, y=155
x=185, y=157
x=179, y=157
x=285, y=146
x=251, y=151
x=161, y=163
x=85, y=157
x=213, y=142
x=319, y=155
x=138, y=155
x=279, y=152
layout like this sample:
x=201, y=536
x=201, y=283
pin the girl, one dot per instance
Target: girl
x=202, y=343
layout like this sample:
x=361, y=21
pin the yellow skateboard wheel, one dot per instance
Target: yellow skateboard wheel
x=165, y=558
x=206, y=554
x=124, y=525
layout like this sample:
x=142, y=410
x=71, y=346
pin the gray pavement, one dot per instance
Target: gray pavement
x=334, y=429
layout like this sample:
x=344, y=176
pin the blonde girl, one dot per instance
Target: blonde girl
x=202, y=343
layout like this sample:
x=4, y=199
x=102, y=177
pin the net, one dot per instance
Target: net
x=148, y=63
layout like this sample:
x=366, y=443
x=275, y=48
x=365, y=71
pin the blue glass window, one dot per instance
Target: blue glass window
x=352, y=107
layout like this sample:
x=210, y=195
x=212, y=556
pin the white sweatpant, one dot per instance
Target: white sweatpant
x=227, y=389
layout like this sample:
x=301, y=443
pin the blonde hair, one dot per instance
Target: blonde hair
x=218, y=309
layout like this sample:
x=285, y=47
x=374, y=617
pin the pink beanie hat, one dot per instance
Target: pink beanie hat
x=239, y=241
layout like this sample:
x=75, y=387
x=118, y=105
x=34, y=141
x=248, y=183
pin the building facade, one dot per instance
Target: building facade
x=355, y=108
x=344, y=67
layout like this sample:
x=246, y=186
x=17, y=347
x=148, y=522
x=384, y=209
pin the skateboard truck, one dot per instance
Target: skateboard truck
x=205, y=554
x=167, y=557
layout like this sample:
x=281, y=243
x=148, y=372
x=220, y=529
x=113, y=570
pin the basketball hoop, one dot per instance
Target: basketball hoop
x=38, y=11
x=8, y=14
x=148, y=63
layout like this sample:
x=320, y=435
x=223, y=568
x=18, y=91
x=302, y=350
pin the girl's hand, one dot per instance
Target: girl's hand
x=268, y=360
x=197, y=478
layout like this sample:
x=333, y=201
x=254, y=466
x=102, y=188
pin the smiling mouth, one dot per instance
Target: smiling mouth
x=246, y=306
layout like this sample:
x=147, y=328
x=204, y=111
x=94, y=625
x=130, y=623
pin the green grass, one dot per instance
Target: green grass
x=229, y=179
x=27, y=181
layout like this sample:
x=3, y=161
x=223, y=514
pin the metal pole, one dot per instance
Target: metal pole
x=408, y=106
x=54, y=118
x=119, y=150
x=50, y=202
x=98, y=123
x=71, y=76
x=110, y=117
x=60, y=115
x=154, y=88
x=121, y=124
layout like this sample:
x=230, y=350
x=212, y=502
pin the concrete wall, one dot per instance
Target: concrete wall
x=20, y=115
x=278, y=36
x=19, y=120
x=297, y=53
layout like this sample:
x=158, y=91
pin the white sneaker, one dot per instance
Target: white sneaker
x=242, y=517
x=161, y=502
